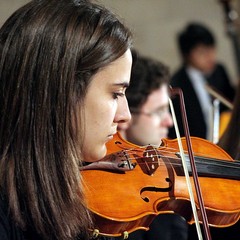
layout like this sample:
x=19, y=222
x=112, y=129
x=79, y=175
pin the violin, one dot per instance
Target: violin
x=128, y=188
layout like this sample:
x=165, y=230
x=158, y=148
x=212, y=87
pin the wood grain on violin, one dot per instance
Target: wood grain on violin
x=133, y=184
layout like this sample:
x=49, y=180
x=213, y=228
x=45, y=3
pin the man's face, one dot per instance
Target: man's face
x=150, y=124
x=203, y=58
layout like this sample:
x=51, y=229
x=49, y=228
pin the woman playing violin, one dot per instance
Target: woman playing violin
x=64, y=69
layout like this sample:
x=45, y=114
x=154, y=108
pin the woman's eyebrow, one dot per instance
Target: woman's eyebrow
x=122, y=84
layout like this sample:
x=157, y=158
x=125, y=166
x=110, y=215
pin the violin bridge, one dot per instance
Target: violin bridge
x=149, y=163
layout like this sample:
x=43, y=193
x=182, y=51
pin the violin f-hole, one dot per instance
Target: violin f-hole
x=155, y=189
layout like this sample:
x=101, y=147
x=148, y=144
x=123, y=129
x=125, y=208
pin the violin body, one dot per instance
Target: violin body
x=124, y=201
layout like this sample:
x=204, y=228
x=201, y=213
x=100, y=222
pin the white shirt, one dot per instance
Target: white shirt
x=199, y=82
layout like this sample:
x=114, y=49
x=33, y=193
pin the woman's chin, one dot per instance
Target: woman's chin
x=96, y=155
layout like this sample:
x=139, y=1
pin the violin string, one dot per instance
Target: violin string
x=179, y=164
x=204, y=157
x=171, y=150
x=215, y=161
x=212, y=162
x=168, y=150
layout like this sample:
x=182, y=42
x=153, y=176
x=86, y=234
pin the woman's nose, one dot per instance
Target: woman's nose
x=123, y=113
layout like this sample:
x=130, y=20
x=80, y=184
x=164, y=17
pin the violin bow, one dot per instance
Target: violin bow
x=178, y=92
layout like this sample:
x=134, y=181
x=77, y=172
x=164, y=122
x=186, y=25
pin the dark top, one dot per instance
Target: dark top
x=164, y=227
x=197, y=126
x=9, y=230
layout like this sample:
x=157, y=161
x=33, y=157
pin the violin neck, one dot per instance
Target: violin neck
x=210, y=167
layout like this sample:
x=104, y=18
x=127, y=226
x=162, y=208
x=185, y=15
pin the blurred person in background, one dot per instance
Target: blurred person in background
x=200, y=67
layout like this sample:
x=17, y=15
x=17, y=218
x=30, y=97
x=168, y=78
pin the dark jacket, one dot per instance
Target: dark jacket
x=197, y=126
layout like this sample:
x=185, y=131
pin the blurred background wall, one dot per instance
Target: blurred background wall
x=155, y=24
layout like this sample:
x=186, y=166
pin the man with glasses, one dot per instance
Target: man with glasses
x=148, y=102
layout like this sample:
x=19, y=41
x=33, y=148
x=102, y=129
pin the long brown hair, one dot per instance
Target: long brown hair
x=49, y=51
x=230, y=140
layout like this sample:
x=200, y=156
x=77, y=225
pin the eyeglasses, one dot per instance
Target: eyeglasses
x=156, y=113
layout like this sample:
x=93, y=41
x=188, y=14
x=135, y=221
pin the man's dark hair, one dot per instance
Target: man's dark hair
x=193, y=35
x=147, y=75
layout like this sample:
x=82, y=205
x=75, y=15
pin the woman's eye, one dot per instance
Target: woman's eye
x=117, y=94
